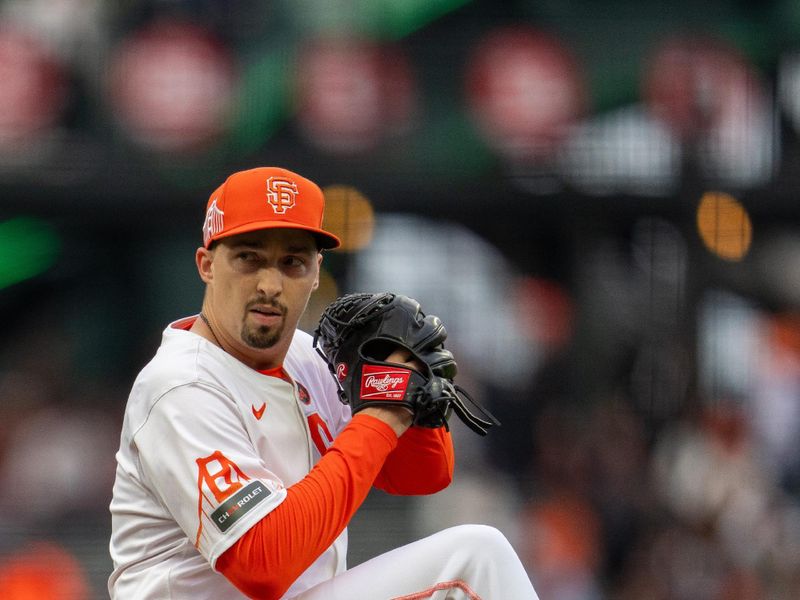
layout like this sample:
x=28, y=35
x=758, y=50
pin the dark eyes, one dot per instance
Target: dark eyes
x=253, y=259
x=293, y=261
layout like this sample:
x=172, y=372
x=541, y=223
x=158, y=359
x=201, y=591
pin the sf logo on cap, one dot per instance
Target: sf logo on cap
x=281, y=194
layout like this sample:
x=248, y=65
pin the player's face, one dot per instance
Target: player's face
x=259, y=286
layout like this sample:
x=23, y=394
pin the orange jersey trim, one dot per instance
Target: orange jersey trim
x=276, y=372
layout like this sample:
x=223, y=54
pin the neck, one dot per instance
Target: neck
x=202, y=327
x=210, y=329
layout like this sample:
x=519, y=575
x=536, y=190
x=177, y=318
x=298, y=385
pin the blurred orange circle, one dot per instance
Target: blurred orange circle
x=724, y=225
x=349, y=216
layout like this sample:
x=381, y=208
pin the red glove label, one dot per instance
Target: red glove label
x=383, y=383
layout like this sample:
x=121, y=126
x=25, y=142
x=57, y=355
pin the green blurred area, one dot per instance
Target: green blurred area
x=28, y=247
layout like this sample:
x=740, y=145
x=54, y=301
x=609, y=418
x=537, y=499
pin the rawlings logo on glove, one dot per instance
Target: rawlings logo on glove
x=383, y=383
x=356, y=334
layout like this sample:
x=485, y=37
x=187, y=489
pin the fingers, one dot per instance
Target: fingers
x=401, y=356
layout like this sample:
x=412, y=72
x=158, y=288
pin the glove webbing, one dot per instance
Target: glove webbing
x=438, y=396
x=477, y=424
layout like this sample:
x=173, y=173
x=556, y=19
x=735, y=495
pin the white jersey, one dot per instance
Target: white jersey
x=208, y=448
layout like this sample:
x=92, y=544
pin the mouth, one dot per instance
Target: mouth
x=265, y=314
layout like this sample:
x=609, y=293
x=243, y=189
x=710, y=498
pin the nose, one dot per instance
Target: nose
x=270, y=282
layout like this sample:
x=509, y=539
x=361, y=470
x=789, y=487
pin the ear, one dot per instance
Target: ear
x=319, y=267
x=203, y=258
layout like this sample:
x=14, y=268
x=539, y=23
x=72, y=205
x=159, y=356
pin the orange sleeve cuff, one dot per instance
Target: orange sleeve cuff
x=267, y=559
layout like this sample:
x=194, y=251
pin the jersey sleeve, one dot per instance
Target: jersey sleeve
x=422, y=463
x=271, y=555
x=198, y=459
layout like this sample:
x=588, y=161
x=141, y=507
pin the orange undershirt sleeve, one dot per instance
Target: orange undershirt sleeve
x=267, y=559
x=422, y=463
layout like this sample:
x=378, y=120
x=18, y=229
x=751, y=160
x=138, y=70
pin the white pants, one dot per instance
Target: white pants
x=467, y=562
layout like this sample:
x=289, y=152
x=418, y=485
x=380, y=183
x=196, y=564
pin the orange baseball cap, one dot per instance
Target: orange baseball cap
x=266, y=198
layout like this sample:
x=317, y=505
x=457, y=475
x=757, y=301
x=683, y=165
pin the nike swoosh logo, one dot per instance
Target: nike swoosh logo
x=258, y=412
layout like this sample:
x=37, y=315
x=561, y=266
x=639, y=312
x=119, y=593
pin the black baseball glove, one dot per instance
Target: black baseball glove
x=356, y=334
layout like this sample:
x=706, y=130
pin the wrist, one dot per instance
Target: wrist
x=398, y=418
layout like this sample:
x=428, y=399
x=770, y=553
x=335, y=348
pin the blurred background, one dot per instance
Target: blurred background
x=599, y=198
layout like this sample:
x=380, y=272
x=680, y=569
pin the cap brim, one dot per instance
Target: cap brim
x=325, y=240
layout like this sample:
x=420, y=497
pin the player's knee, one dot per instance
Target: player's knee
x=492, y=538
x=484, y=540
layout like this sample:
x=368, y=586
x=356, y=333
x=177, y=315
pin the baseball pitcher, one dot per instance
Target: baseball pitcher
x=248, y=445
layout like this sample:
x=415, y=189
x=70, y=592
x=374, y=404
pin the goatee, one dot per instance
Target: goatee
x=261, y=337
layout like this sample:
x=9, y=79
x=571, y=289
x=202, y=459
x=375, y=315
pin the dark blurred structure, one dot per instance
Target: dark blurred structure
x=599, y=199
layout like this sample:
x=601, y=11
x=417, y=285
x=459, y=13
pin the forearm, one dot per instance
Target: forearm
x=266, y=560
x=422, y=463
